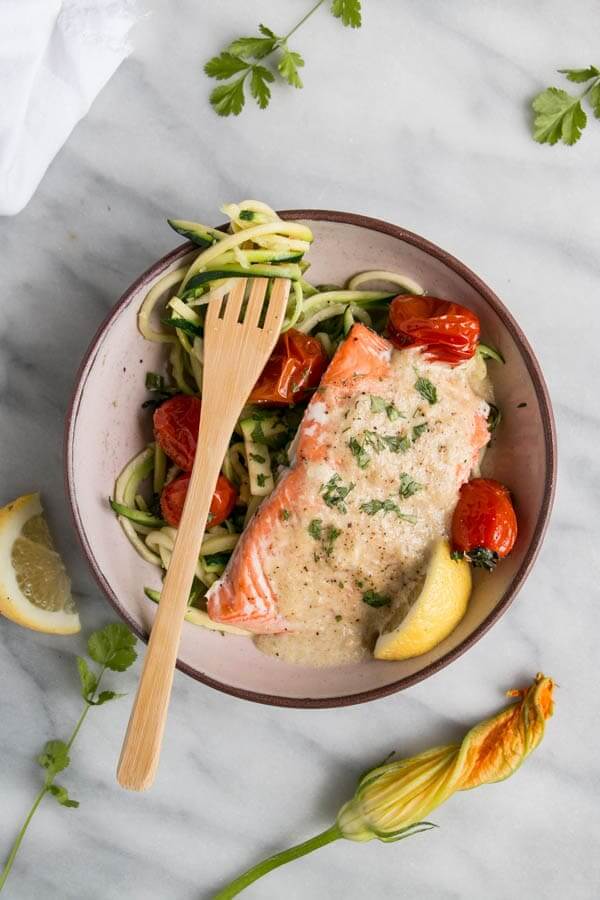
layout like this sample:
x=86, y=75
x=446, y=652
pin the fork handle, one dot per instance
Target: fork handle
x=141, y=746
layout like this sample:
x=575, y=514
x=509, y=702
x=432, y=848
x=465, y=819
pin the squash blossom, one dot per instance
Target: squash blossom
x=393, y=800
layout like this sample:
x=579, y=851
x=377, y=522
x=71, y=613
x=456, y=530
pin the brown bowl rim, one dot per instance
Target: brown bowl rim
x=545, y=405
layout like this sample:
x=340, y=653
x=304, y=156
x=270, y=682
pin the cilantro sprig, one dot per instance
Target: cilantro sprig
x=244, y=62
x=110, y=648
x=559, y=115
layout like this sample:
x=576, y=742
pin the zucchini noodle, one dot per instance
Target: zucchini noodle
x=259, y=245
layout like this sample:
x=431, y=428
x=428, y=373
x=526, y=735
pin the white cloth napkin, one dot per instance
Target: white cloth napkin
x=55, y=57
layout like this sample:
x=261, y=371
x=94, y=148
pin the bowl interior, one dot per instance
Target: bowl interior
x=107, y=426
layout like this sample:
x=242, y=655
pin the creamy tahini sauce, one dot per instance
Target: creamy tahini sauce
x=319, y=583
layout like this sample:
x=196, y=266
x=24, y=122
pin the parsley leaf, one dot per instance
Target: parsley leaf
x=61, y=795
x=228, y=99
x=242, y=55
x=408, y=486
x=559, y=117
x=427, y=390
x=288, y=67
x=349, y=11
x=259, y=85
x=112, y=647
x=335, y=492
x=594, y=99
x=284, y=514
x=261, y=479
x=54, y=758
x=89, y=681
x=225, y=65
x=372, y=598
x=418, y=430
x=579, y=76
x=256, y=457
x=254, y=47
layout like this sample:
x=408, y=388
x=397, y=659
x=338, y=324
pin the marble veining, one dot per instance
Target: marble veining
x=419, y=118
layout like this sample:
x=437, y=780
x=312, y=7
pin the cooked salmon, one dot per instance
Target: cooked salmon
x=380, y=455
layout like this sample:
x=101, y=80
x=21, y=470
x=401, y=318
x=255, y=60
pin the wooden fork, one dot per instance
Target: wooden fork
x=236, y=349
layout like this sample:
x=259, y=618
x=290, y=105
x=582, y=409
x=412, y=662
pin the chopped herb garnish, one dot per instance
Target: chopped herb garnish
x=426, y=389
x=331, y=535
x=327, y=536
x=456, y=555
x=274, y=441
x=371, y=507
x=335, y=492
x=408, y=486
x=360, y=454
x=158, y=386
x=256, y=457
x=380, y=404
x=246, y=215
x=261, y=479
x=284, y=514
x=257, y=435
x=396, y=443
x=338, y=618
x=155, y=382
x=315, y=529
x=418, y=430
x=494, y=417
x=372, y=598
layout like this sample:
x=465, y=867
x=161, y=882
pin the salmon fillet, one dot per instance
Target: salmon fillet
x=362, y=431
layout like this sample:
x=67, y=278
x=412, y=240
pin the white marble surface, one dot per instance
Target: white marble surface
x=420, y=118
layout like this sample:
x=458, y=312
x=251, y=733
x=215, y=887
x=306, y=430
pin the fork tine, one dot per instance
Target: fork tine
x=255, y=303
x=234, y=301
x=277, y=304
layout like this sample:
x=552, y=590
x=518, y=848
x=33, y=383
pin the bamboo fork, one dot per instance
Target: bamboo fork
x=236, y=348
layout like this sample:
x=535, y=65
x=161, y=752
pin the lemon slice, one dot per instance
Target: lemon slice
x=35, y=590
x=438, y=608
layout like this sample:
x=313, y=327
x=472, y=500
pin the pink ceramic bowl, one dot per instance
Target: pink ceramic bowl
x=106, y=426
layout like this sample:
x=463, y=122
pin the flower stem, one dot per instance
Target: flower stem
x=280, y=859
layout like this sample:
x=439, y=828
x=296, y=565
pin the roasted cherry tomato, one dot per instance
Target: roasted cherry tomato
x=484, y=525
x=174, y=493
x=176, y=424
x=294, y=367
x=447, y=331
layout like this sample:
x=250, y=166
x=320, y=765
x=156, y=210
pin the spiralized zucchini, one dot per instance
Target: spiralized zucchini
x=259, y=244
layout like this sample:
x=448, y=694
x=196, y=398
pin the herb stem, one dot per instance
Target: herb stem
x=18, y=840
x=279, y=859
x=42, y=793
x=86, y=710
x=304, y=19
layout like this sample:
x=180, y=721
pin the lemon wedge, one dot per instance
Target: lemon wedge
x=440, y=604
x=35, y=590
